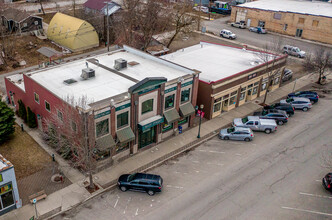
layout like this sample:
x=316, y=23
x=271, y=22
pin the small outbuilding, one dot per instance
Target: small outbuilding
x=100, y=6
x=72, y=33
x=17, y=20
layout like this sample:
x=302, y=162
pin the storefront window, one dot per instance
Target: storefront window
x=183, y=121
x=264, y=86
x=226, y=102
x=147, y=106
x=254, y=91
x=217, y=107
x=243, y=93
x=102, y=128
x=121, y=147
x=167, y=127
x=122, y=119
x=232, y=99
x=169, y=101
x=185, y=95
x=7, y=196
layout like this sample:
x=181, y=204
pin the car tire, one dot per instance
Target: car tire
x=280, y=122
x=232, y=25
x=150, y=192
x=247, y=139
x=123, y=188
x=305, y=109
x=268, y=131
x=226, y=138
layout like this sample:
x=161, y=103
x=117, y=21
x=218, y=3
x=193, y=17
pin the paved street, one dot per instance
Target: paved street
x=276, y=176
x=250, y=38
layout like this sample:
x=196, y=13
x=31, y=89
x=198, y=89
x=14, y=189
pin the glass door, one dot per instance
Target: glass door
x=147, y=137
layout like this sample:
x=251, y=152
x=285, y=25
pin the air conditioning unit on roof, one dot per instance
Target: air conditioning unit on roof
x=88, y=73
x=120, y=64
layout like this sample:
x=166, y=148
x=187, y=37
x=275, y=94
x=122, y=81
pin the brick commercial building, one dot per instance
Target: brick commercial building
x=310, y=20
x=133, y=99
x=229, y=76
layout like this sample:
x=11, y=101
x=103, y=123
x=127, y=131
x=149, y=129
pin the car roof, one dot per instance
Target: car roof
x=242, y=129
x=147, y=176
x=225, y=30
x=300, y=99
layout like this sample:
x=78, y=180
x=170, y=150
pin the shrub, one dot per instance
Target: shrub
x=22, y=111
x=31, y=119
x=7, y=121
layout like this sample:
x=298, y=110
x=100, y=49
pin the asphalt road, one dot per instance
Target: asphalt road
x=258, y=40
x=276, y=176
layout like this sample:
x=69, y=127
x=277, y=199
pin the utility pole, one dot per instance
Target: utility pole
x=200, y=13
x=74, y=7
x=108, y=29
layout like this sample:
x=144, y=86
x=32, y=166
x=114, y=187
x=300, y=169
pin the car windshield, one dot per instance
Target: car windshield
x=244, y=120
x=289, y=100
x=297, y=49
x=297, y=93
x=230, y=130
x=131, y=177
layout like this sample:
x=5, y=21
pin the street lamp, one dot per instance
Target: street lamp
x=200, y=120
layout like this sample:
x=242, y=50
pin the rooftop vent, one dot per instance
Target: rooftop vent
x=132, y=63
x=120, y=64
x=88, y=73
x=69, y=81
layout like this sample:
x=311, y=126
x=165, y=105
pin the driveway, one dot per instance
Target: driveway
x=276, y=176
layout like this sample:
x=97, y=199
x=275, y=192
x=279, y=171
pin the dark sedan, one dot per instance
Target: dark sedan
x=327, y=182
x=144, y=182
x=312, y=96
x=279, y=117
x=282, y=106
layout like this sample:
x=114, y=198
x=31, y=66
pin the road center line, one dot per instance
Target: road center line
x=320, y=196
x=318, y=180
x=308, y=211
x=117, y=200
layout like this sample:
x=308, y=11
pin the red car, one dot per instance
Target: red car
x=327, y=182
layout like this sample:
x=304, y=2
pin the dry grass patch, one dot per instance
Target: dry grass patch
x=24, y=153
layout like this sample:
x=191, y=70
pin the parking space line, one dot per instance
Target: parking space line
x=136, y=213
x=319, y=196
x=318, y=180
x=177, y=187
x=117, y=200
x=238, y=154
x=212, y=151
x=218, y=164
x=308, y=211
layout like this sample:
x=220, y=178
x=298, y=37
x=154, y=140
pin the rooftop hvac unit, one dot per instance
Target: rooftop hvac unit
x=88, y=73
x=120, y=64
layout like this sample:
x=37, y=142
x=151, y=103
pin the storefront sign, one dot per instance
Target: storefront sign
x=151, y=124
x=186, y=84
x=148, y=90
x=102, y=114
x=170, y=89
x=122, y=107
x=252, y=75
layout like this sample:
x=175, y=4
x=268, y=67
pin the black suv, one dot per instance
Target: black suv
x=282, y=106
x=278, y=115
x=149, y=183
x=327, y=182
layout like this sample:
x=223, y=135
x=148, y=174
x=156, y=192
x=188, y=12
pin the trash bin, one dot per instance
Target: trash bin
x=180, y=129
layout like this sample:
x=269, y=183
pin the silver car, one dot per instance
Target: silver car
x=294, y=51
x=236, y=133
x=298, y=103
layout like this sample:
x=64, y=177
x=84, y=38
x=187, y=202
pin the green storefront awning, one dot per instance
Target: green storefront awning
x=150, y=122
x=105, y=142
x=186, y=110
x=171, y=116
x=125, y=135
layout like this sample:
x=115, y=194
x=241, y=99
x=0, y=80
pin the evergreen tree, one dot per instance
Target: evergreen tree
x=7, y=121
x=22, y=111
x=31, y=119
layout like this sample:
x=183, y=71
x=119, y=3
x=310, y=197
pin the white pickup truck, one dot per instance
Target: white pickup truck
x=256, y=124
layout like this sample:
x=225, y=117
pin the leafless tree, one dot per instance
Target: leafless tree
x=182, y=19
x=70, y=133
x=319, y=61
x=269, y=56
x=41, y=6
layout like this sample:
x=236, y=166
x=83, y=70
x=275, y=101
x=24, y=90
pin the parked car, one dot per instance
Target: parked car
x=298, y=103
x=236, y=133
x=288, y=74
x=327, y=182
x=259, y=30
x=256, y=124
x=280, y=117
x=294, y=51
x=241, y=24
x=288, y=108
x=144, y=182
x=312, y=96
x=227, y=34
x=202, y=8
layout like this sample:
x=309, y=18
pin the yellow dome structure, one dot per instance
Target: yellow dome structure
x=72, y=33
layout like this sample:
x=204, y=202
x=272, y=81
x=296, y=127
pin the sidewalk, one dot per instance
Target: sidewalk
x=75, y=194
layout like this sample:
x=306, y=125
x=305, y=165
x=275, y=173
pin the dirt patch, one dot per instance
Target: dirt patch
x=24, y=153
x=47, y=17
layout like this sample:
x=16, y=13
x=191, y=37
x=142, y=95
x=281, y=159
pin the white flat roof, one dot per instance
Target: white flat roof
x=295, y=6
x=215, y=62
x=4, y=164
x=106, y=83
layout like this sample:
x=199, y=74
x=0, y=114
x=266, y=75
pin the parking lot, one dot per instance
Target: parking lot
x=276, y=174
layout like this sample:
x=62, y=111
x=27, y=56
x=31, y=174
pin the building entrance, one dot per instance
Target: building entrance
x=147, y=137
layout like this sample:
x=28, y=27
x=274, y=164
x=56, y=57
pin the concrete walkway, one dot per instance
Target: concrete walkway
x=76, y=194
